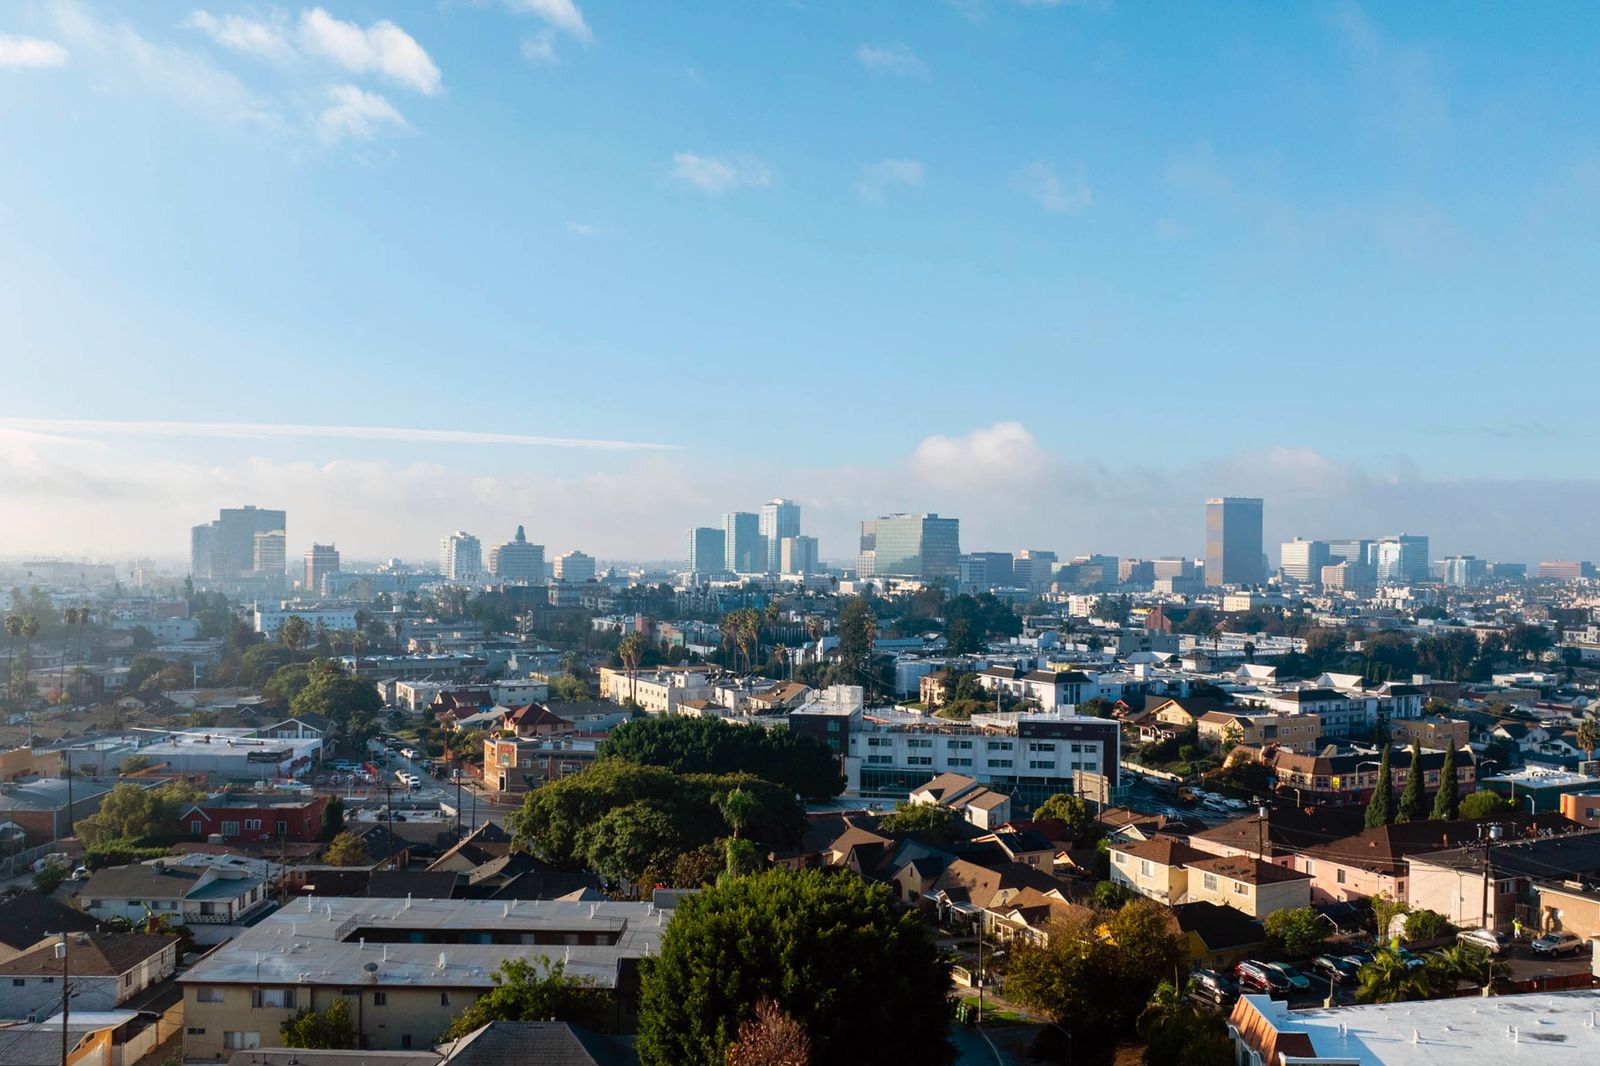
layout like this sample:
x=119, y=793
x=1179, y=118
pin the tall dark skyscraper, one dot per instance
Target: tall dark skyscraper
x=1233, y=541
x=225, y=550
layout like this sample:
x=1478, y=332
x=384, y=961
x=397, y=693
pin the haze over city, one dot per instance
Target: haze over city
x=1062, y=269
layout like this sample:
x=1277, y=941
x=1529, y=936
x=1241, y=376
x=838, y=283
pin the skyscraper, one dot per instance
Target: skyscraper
x=271, y=555
x=225, y=550
x=1302, y=560
x=867, y=554
x=518, y=562
x=742, y=550
x=574, y=567
x=1233, y=541
x=780, y=518
x=321, y=560
x=708, y=549
x=460, y=557
x=921, y=546
x=797, y=555
x=1403, y=560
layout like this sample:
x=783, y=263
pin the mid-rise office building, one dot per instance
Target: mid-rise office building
x=518, y=562
x=1170, y=566
x=922, y=546
x=798, y=555
x=1302, y=560
x=574, y=567
x=1403, y=560
x=1233, y=541
x=1464, y=571
x=1033, y=569
x=460, y=557
x=1565, y=570
x=981, y=571
x=321, y=560
x=708, y=549
x=271, y=554
x=225, y=550
x=780, y=518
x=743, y=551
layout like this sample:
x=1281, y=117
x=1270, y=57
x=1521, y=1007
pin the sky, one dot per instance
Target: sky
x=607, y=270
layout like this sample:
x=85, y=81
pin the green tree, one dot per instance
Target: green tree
x=1411, y=796
x=1588, y=735
x=1484, y=804
x=1389, y=979
x=331, y=1028
x=711, y=746
x=1427, y=925
x=351, y=704
x=738, y=806
x=780, y=936
x=742, y=857
x=294, y=633
x=858, y=630
x=631, y=650
x=525, y=992
x=1447, y=801
x=346, y=849
x=568, y=688
x=1296, y=931
x=1380, y=811
x=918, y=818
x=1177, y=1032
x=1073, y=810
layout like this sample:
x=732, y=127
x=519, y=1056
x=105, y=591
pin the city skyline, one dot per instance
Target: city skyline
x=616, y=195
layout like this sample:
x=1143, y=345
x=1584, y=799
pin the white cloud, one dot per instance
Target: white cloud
x=562, y=15
x=897, y=59
x=1004, y=452
x=354, y=112
x=381, y=48
x=257, y=37
x=1054, y=193
x=711, y=174
x=878, y=177
x=583, y=229
x=540, y=48
x=291, y=431
x=29, y=53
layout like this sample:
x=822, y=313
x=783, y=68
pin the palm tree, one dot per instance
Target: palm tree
x=738, y=807
x=1170, y=999
x=1589, y=735
x=1459, y=962
x=30, y=628
x=1389, y=979
x=13, y=626
x=781, y=653
x=631, y=651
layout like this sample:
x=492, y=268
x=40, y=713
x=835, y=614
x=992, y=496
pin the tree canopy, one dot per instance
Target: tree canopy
x=687, y=745
x=350, y=703
x=1380, y=811
x=346, y=849
x=859, y=974
x=918, y=818
x=1073, y=810
x=331, y=1028
x=1484, y=804
x=620, y=818
x=132, y=813
x=524, y=992
x=1411, y=796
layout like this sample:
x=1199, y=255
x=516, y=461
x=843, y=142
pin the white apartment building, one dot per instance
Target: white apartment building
x=460, y=556
x=659, y=691
x=268, y=620
x=574, y=567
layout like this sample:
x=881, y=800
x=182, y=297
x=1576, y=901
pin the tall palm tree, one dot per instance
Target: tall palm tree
x=1389, y=979
x=738, y=807
x=13, y=627
x=1589, y=735
x=631, y=651
x=781, y=653
x=30, y=629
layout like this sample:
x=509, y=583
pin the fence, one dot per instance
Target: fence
x=21, y=863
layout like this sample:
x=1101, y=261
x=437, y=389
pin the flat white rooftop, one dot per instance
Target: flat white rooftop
x=1545, y=1028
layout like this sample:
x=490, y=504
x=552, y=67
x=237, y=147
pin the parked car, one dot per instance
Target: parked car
x=1260, y=977
x=1487, y=939
x=1217, y=987
x=1340, y=969
x=1558, y=943
x=1412, y=959
x=1298, y=981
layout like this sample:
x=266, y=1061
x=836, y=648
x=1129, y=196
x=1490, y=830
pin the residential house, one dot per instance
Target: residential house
x=189, y=895
x=1156, y=868
x=1517, y=874
x=1296, y=732
x=983, y=807
x=26, y=918
x=1217, y=937
x=256, y=818
x=106, y=970
x=1247, y=884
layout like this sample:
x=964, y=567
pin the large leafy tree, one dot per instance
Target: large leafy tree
x=1381, y=810
x=1178, y=1033
x=858, y=629
x=350, y=703
x=1297, y=931
x=1411, y=796
x=710, y=746
x=918, y=818
x=346, y=849
x=134, y=814
x=1073, y=810
x=1447, y=801
x=525, y=992
x=857, y=972
x=1484, y=803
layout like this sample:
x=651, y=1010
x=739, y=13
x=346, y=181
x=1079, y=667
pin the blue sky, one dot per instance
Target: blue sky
x=1062, y=269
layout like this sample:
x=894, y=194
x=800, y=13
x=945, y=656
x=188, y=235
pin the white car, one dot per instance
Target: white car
x=409, y=753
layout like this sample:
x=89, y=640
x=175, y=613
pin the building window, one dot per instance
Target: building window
x=1339, y=876
x=1041, y=764
x=960, y=762
x=1146, y=868
x=195, y=1030
x=405, y=1041
x=1311, y=868
x=208, y=994
x=998, y=745
x=240, y=1041
x=1119, y=858
x=230, y=829
x=278, y=998
x=194, y=827
x=1000, y=762
x=444, y=999
x=1041, y=745
x=380, y=999
x=1241, y=889
x=919, y=760
x=19, y=982
x=1209, y=881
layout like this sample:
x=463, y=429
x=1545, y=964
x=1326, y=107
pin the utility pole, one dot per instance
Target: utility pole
x=980, y=968
x=388, y=798
x=68, y=756
x=61, y=949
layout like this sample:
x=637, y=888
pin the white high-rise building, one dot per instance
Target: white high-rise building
x=517, y=561
x=798, y=555
x=780, y=518
x=460, y=557
x=574, y=568
x=1302, y=560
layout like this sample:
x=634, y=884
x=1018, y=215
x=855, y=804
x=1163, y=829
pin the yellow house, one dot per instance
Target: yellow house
x=1296, y=732
x=1247, y=884
x=1154, y=867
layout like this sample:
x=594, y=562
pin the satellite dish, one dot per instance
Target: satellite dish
x=371, y=967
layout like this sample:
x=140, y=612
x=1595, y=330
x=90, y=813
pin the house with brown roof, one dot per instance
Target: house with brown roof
x=983, y=807
x=1247, y=884
x=1155, y=868
x=106, y=970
